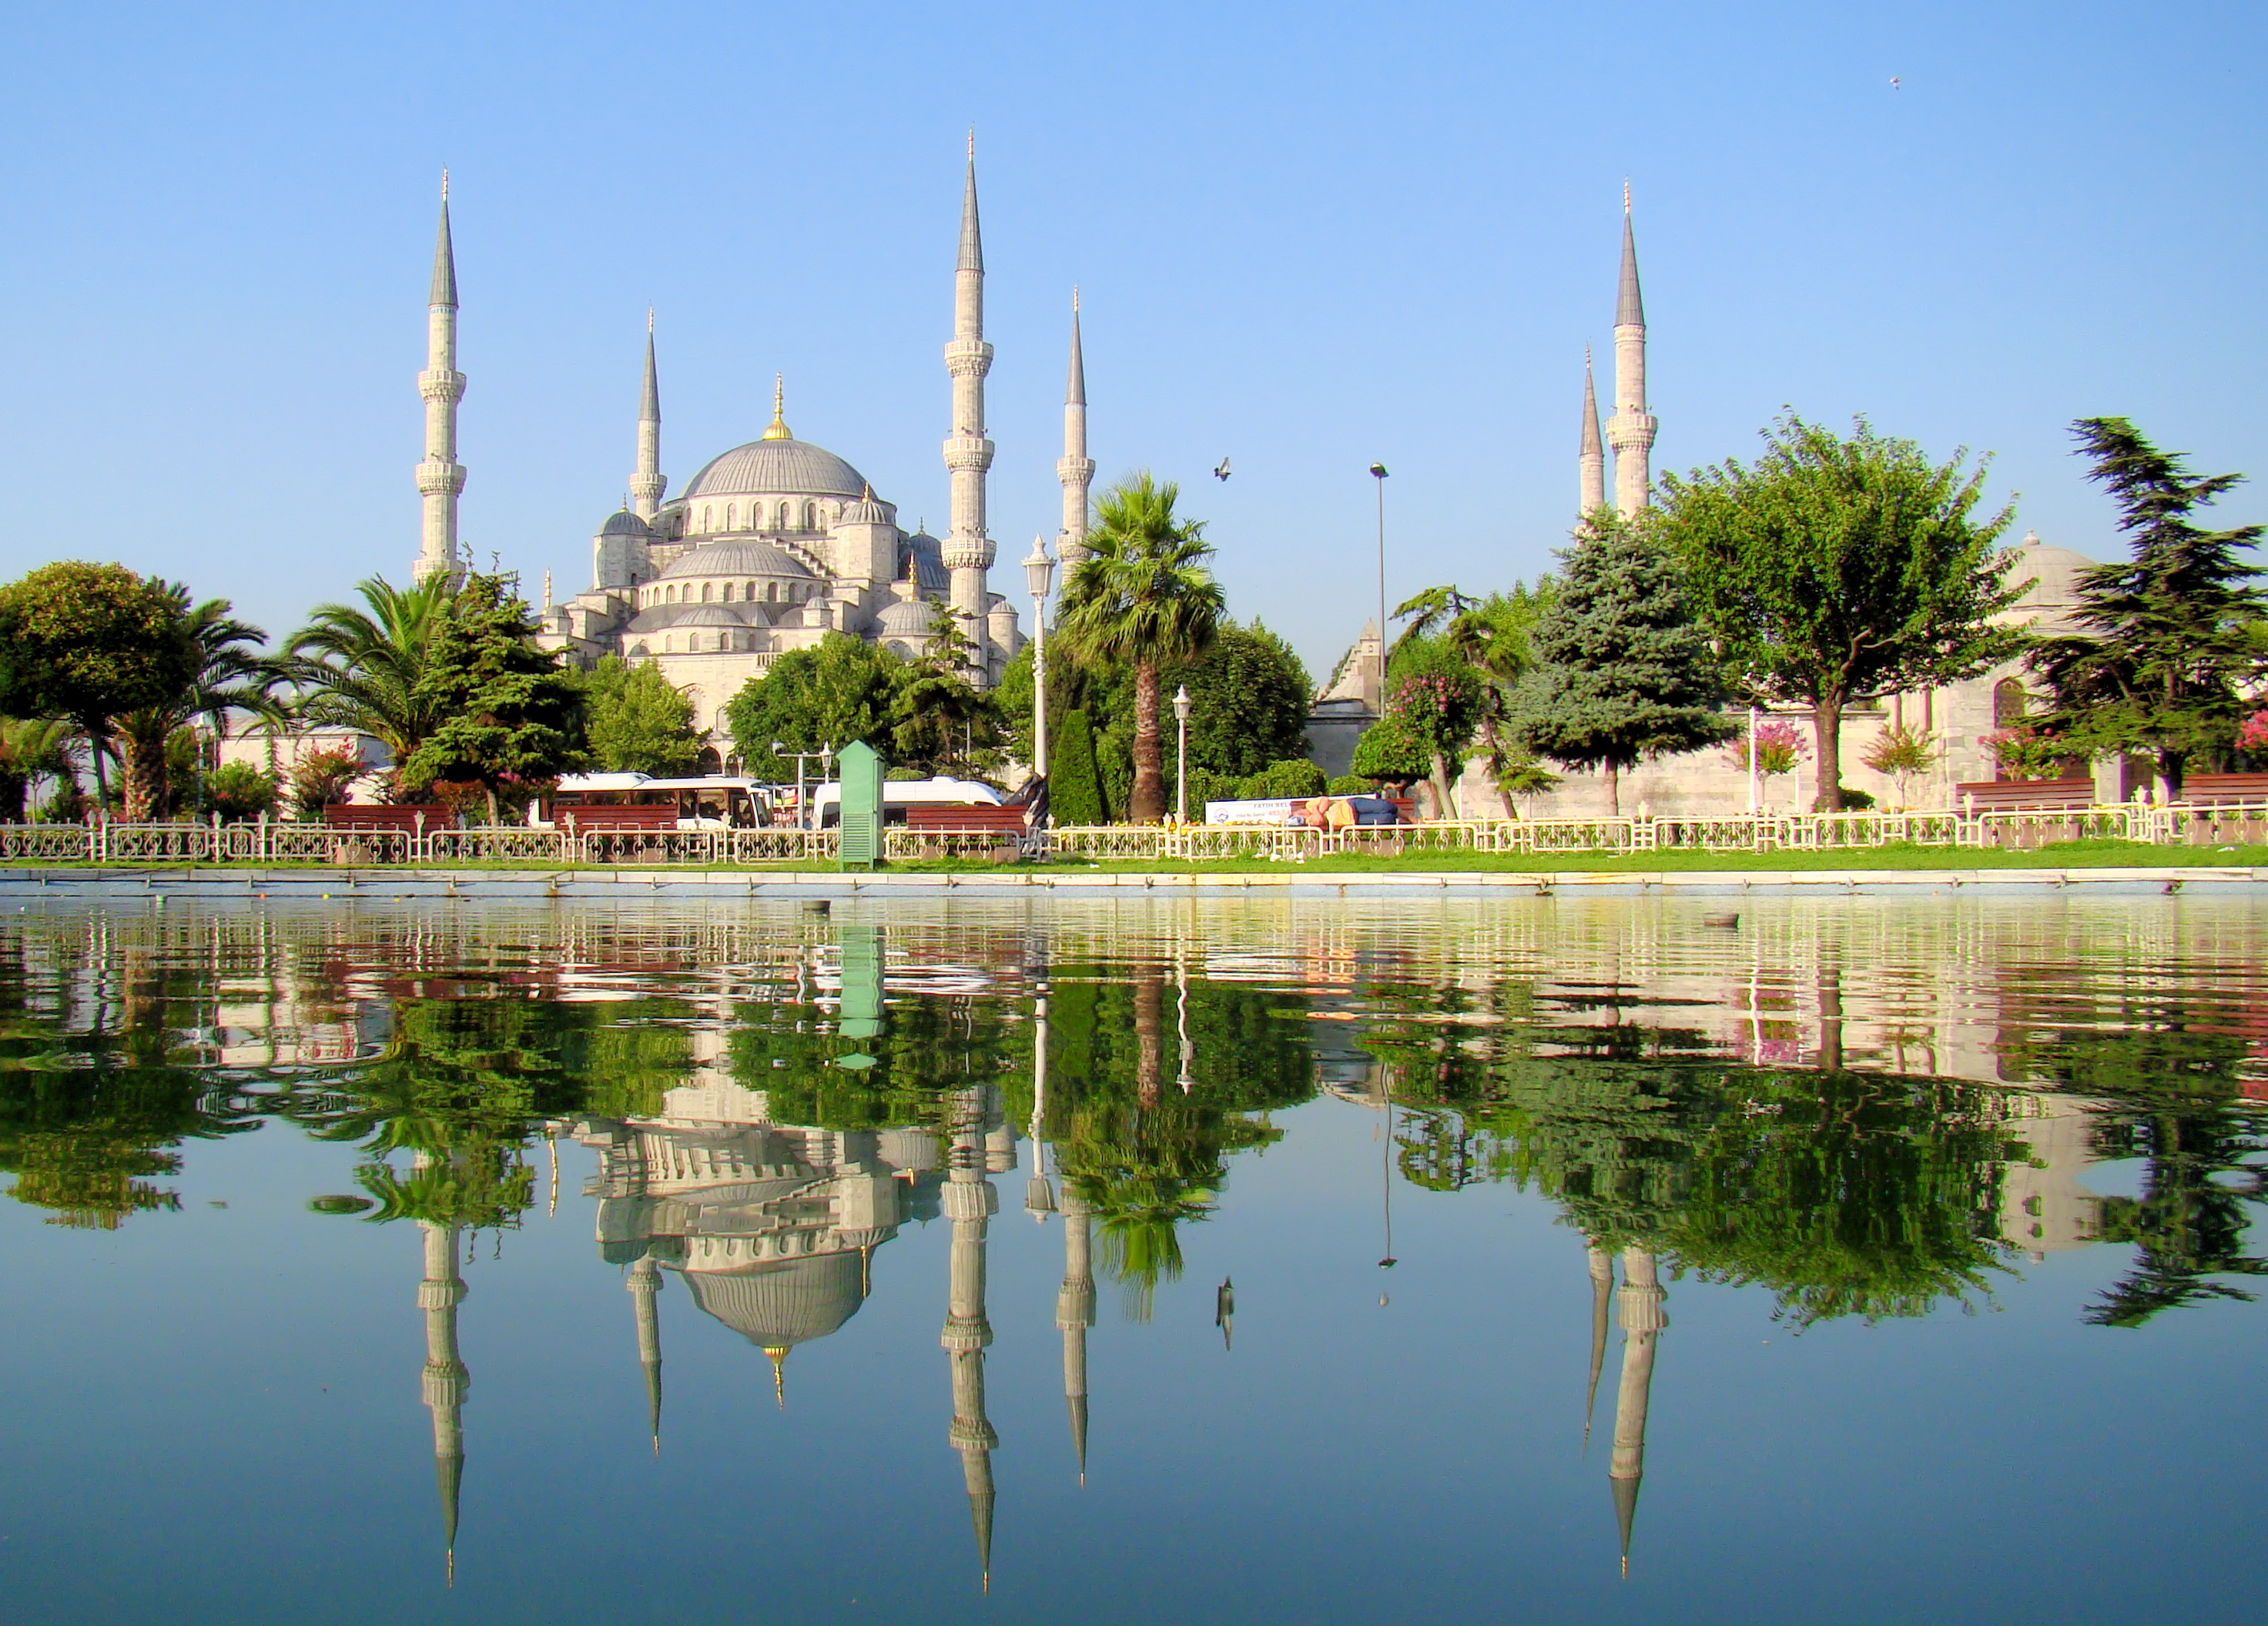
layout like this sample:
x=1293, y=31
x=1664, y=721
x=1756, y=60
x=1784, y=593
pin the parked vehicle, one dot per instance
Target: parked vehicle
x=900, y=795
x=709, y=801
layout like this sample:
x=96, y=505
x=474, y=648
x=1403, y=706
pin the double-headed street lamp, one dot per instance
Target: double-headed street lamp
x=1039, y=575
x=1182, y=756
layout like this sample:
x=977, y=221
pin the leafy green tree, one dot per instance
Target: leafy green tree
x=2171, y=647
x=361, y=669
x=320, y=780
x=1249, y=698
x=1435, y=695
x=1390, y=753
x=228, y=673
x=1144, y=597
x=1832, y=568
x=32, y=749
x=237, y=791
x=511, y=719
x=1622, y=671
x=90, y=643
x=1491, y=637
x=820, y=698
x=939, y=721
x=1075, y=785
x=640, y=722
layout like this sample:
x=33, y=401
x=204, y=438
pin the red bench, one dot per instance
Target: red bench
x=384, y=816
x=589, y=820
x=2025, y=795
x=980, y=818
x=2207, y=789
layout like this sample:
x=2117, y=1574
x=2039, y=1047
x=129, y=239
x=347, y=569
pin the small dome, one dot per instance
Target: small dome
x=2054, y=575
x=865, y=511
x=738, y=558
x=906, y=617
x=776, y=1307
x=783, y=468
x=922, y=561
x=622, y=522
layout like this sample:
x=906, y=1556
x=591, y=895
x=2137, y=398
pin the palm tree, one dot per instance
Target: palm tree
x=31, y=749
x=1143, y=597
x=228, y=673
x=1488, y=635
x=358, y=668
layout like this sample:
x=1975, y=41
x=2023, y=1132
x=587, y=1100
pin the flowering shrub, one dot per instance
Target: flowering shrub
x=2022, y=754
x=2252, y=734
x=1781, y=748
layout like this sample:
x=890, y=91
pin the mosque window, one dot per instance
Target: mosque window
x=731, y=515
x=751, y=594
x=782, y=516
x=669, y=594
x=706, y=587
x=810, y=515
x=771, y=592
x=2009, y=702
x=669, y=646
x=708, y=515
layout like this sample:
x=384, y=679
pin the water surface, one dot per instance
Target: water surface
x=1552, y=1259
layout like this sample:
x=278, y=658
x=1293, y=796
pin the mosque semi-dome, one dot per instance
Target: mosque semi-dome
x=779, y=1305
x=746, y=558
x=776, y=467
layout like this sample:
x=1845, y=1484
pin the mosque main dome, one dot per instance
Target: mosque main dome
x=777, y=466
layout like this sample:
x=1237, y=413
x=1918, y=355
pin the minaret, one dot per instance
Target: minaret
x=1075, y=1312
x=644, y=1283
x=1594, y=458
x=1603, y=1293
x=648, y=484
x=1630, y=430
x=1076, y=468
x=968, y=1200
x=440, y=478
x=968, y=550
x=1639, y=1304
x=438, y=1295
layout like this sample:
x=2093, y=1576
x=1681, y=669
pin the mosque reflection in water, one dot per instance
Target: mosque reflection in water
x=1770, y=1113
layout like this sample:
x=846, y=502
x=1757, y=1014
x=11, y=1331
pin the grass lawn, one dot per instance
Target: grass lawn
x=2058, y=855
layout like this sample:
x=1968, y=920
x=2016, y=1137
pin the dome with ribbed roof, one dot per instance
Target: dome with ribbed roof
x=2054, y=573
x=622, y=522
x=906, y=617
x=779, y=1305
x=783, y=468
x=747, y=558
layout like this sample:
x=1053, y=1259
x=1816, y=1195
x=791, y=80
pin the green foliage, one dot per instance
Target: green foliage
x=32, y=749
x=1075, y=786
x=237, y=791
x=227, y=673
x=821, y=698
x=512, y=718
x=1901, y=753
x=363, y=668
x=2171, y=648
x=939, y=721
x=1350, y=785
x=1142, y=598
x=1391, y=753
x=1832, y=568
x=1249, y=698
x=67, y=806
x=1622, y=672
x=321, y=777
x=639, y=721
x=1294, y=777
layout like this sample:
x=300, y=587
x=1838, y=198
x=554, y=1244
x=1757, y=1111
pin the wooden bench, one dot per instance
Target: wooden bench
x=590, y=820
x=2025, y=795
x=2209, y=789
x=384, y=816
x=978, y=819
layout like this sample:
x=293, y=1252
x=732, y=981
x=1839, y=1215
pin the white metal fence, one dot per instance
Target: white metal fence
x=2178, y=825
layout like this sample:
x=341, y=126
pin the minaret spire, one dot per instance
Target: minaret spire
x=445, y=1379
x=967, y=552
x=1639, y=1303
x=649, y=482
x=1630, y=431
x=440, y=476
x=1076, y=470
x=970, y=1200
x=1075, y=1312
x=644, y=1283
x=1593, y=460
x=1602, y=1292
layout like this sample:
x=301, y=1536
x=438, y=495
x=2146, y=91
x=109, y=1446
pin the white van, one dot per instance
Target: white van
x=899, y=795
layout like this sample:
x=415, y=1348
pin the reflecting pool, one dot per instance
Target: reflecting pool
x=1185, y=1260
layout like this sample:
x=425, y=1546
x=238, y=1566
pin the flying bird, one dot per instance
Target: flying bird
x=1221, y=473
x=1893, y=82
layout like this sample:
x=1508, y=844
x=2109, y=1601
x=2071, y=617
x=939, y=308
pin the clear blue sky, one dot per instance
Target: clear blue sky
x=1308, y=236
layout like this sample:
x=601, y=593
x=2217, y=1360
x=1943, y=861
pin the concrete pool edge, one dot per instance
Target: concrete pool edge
x=378, y=885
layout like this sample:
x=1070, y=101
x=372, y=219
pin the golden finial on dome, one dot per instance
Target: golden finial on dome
x=778, y=430
x=778, y=1352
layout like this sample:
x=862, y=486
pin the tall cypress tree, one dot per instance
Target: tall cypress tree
x=2169, y=646
x=1623, y=672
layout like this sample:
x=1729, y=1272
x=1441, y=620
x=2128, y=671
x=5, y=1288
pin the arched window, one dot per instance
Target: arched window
x=2009, y=702
x=706, y=587
x=771, y=592
x=669, y=646
x=751, y=594
x=670, y=594
x=708, y=515
x=732, y=513
x=782, y=516
x=810, y=516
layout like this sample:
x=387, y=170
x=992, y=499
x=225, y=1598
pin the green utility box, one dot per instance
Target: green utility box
x=859, y=769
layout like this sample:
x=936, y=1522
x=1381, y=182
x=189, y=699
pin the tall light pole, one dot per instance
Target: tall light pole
x=1378, y=473
x=1039, y=575
x=1182, y=756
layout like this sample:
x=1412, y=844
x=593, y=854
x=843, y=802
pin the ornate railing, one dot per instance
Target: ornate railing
x=2186, y=825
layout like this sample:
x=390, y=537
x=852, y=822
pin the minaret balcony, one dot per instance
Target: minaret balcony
x=1632, y=428
x=967, y=358
x=441, y=384
x=434, y=477
x=967, y=452
x=1075, y=470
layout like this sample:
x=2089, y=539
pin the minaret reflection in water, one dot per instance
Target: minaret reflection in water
x=445, y=1378
x=970, y=1201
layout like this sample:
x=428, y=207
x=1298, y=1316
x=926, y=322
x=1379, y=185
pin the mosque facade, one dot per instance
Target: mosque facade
x=775, y=544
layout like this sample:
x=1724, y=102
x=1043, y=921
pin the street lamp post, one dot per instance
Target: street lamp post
x=1378, y=473
x=802, y=805
x=1039, y=575
x=1182, y=756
